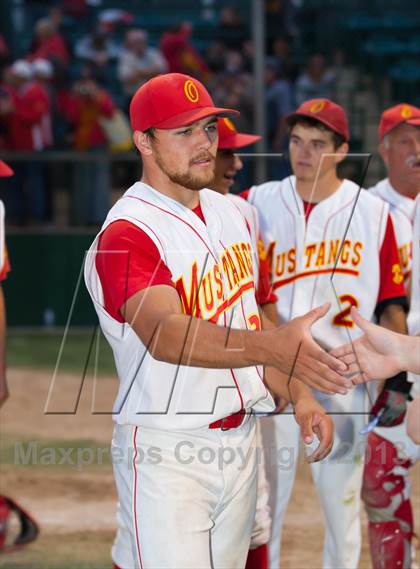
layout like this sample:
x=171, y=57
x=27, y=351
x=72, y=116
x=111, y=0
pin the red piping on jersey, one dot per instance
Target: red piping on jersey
x=293, y=278
x=179, y=218
x=135, y=497
x=229, y=301
x=238, y=390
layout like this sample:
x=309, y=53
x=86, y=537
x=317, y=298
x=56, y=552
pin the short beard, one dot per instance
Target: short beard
x=186, y=180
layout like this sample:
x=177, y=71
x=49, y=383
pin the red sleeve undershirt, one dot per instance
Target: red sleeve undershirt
x=6, y=266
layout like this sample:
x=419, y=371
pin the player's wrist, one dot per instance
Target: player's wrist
x=403, y=356
x=258, y=348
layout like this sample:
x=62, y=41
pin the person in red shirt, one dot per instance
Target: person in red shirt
x=49, y=44
x=24, y=116
x=180, y=54
x=84, y=108
x=28, y=527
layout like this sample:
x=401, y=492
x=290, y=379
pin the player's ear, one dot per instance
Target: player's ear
x=142, y=142
x=341, y=152
x=383, y=151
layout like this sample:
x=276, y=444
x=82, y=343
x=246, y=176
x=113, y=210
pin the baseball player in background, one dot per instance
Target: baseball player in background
x=228, y=165
x=172, y=280
x=381, y=353
x=386, y=488
x=28, y=529
x=327, y=240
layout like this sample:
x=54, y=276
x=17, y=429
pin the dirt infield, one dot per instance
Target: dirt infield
x=71, y=492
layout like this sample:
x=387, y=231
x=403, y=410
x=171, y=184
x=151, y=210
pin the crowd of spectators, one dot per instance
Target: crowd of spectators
x=58, y=95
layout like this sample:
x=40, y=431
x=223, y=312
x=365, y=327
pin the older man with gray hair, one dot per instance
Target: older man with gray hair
x=138, y=62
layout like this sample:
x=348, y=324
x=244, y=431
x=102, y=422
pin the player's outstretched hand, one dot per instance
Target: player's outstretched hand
x=313, y=421
x=299, y=355
x=378, y=354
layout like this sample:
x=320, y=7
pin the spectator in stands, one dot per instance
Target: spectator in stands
x=43, y=74
x=85, y=108
x=279, y=102
x=138, y=62
x=181, y=55
x=283, y=54
x=25, y=113
x=235, y=88
x=6, y=106
x=231, y=29
x=98, y=50
x=49, y=44
x=316, y=82
x=4, y=52
x=215, y=56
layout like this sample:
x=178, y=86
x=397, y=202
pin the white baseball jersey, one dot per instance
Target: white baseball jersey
x=250, y=214
x=413, y=320
x=414, y=314
x=401, y=209
x=211, y=265
x=308, y=257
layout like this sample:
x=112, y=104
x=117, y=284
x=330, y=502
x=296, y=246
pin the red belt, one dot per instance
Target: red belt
x=230, y=422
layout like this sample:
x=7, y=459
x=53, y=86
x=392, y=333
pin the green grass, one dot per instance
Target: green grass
x=79, y=454
x=40, y=350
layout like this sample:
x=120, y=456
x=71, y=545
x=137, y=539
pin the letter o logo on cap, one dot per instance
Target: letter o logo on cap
x=406, y=112
x=229, y=124
x=317, y=107
x=191, y=91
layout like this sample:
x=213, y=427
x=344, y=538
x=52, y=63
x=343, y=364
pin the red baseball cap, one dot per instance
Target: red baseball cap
x=229, y=137
x=171, y=101
x=5, y=170
x=396, y=115
x=326, y=112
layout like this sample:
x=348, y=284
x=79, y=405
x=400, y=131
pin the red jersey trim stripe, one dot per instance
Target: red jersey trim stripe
x=135, y=497
x=293, y=278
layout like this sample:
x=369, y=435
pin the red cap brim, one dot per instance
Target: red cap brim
x=414, y=122
x=238, y=140
x=188, y=117
x=5, y=170
x=289, y=118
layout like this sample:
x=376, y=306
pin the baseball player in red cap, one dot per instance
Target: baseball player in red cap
x=172, y=279
x=228, y=164
x=313, y=258
x=28, y=528
x=386, y=494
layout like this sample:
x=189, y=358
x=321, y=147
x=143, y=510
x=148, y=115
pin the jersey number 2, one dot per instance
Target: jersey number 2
x=342, y=318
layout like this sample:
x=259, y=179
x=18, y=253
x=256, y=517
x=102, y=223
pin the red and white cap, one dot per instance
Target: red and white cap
x=5, y=170
x=392, y=117
x=326, y=112
x=230, y=138
x=172, y=100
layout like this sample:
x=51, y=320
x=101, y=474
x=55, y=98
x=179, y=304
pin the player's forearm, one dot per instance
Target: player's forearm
x=289, y=388
x=409, y=353
x=180, y=339
x=269, y=310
